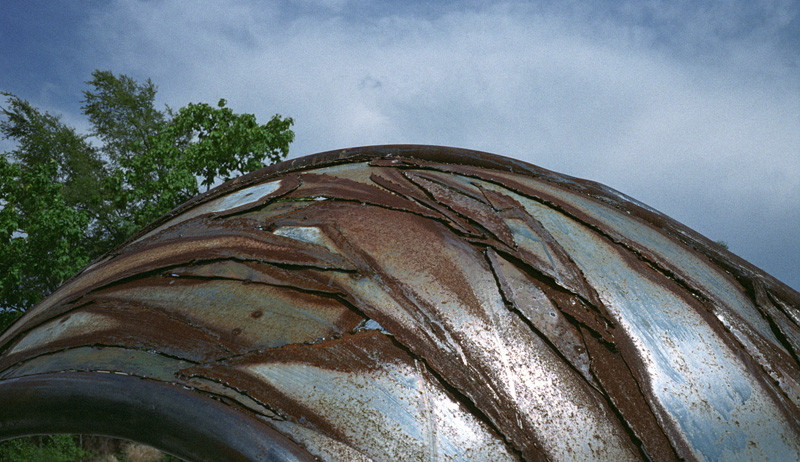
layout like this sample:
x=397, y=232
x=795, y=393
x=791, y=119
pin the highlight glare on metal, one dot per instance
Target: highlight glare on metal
x=414, y=303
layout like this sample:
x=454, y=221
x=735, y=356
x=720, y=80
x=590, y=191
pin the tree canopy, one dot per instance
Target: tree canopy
x=68, y=197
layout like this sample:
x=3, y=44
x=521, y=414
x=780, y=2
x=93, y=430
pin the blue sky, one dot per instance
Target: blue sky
x=692, y=107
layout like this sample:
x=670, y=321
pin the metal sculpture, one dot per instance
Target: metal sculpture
x=414, y=303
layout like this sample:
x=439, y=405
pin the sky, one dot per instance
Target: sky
x=692, y=107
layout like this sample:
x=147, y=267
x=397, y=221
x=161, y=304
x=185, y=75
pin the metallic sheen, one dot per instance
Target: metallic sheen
x=414, y=303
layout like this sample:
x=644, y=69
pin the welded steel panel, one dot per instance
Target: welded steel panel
x=418, y=303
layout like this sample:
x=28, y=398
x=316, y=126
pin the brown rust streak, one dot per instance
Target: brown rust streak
x=464, y=204
x=730, y=266
x=363, y=353
x=569, y=276
x=630, y=355
x=507, y=208
x=624, y=392
x=230, y=373
x=506, y=182
x=136, y=327
x=470, y=190
x=395, y=182
x=272, y=315
x=228, y=243
x=789, y=332
x=743, y=271
x=478, y=165
x=779, y=365
x=520, y=293
x=331, y=187
x=254, y=272
x=261, y=245
x=427, y=336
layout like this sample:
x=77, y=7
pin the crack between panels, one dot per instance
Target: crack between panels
x=457, y=394
x=433, y=214
x=233, y=402
x=455, y=188
x=785, y=308
x=603, y=344
x=553, y=285
x=99, y=347
x=710, y=307
x=335, y=337
x=245, y=281
x=209, y=333
x=99, y=302
x=512, y=307
x=638, y=442
x=59, y=309
x=484, y=232
x=13, y=341
x=597, y=385
x=277, y=416
x=782, y=337
x=594, y=227
x=160, y=311
x=697, y=294
x=460, y=397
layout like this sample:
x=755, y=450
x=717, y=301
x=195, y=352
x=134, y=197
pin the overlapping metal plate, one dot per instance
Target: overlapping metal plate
x=424, y=303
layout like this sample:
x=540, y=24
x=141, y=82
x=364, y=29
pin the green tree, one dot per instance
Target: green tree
x=40, y=234
x=123, y=114
x=55, y=448
x=65, y=200
x=155, y=157
x=41, y=138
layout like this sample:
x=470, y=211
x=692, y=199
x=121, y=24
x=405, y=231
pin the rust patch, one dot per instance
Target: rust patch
x=412, y=302
x=252, y=272
x=214, y=306
x=628, y=399
x=396, y=182
x=129, y=325
x=352, y=415
x=465, y=205
x=523, y=293
x=556, y=263
x=326, y=186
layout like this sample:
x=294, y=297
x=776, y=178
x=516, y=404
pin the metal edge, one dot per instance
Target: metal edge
x=157, y=414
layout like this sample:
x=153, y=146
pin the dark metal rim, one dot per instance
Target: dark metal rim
x=175, y=420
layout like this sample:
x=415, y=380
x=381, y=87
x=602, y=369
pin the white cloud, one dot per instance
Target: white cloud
x=692, y=109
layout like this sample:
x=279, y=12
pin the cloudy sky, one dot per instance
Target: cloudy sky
x=692, y=107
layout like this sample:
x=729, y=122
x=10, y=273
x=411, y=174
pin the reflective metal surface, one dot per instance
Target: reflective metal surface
x=415, y=303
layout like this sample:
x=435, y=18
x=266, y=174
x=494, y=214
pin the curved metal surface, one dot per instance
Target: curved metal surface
x=410, y=303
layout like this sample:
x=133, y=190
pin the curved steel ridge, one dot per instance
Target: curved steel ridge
x=414, y=302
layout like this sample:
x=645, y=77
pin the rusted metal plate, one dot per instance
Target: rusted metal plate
x=375, y=396
x=421, y=303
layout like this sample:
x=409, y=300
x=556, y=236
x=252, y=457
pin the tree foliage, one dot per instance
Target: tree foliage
x=54, y=448
x=40, y=234
x=67, y=197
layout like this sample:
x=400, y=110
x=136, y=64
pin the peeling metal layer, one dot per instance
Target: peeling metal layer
x=416, y=303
